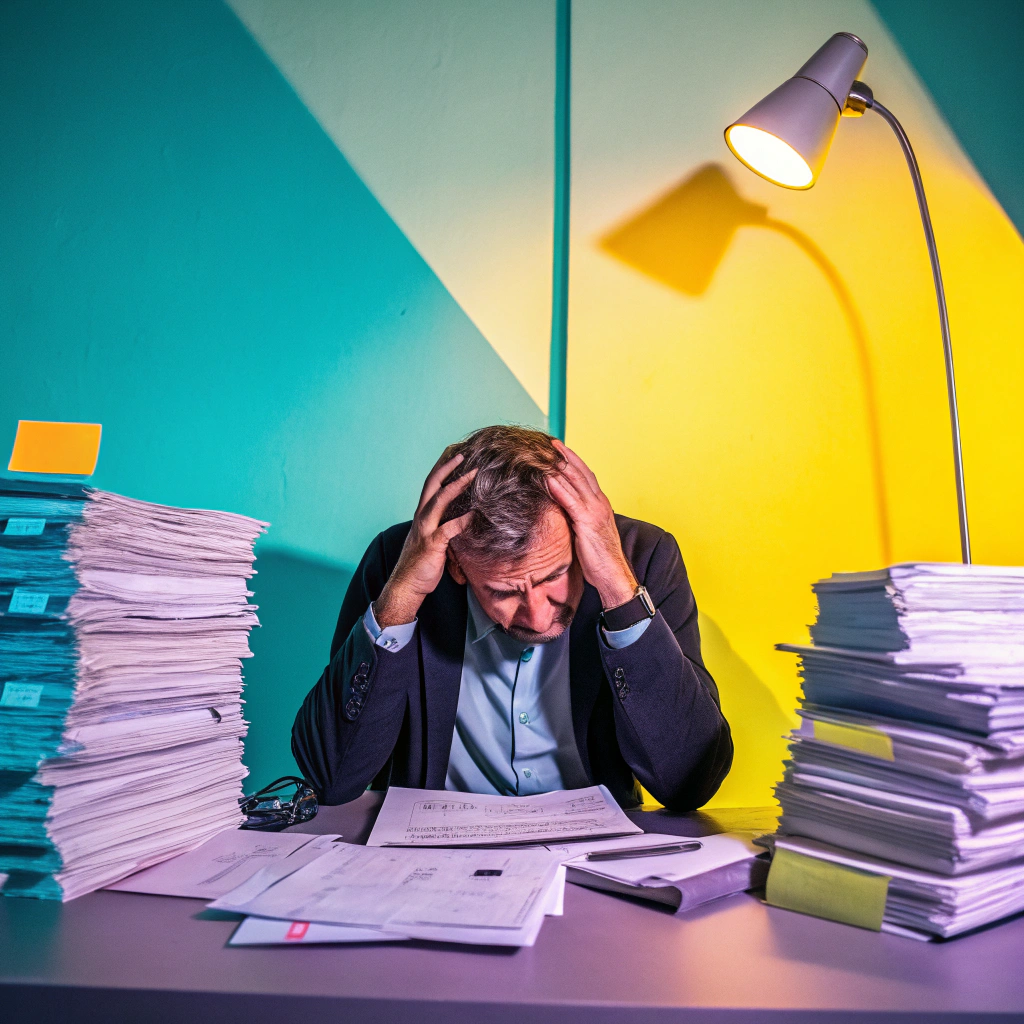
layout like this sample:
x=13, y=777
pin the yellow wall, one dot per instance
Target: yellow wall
x=760, y=371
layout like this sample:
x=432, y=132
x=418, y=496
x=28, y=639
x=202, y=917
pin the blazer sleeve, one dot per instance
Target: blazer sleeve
x=668, y=720
x=349, y=723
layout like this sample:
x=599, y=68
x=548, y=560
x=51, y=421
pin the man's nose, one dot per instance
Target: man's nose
x=537, y=610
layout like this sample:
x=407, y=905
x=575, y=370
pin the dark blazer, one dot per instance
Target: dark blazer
x=648, y=712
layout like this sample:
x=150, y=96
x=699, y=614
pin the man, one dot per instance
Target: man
x=516, y=637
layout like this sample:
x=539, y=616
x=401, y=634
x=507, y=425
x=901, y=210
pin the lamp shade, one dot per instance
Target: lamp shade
x=786, y=136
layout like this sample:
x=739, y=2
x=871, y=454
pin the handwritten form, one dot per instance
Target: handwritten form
x=424, y=817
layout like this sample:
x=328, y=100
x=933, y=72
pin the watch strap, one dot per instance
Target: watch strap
x=629, y=614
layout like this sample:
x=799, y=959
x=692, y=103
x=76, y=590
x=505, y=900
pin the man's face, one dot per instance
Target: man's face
x=532, y=599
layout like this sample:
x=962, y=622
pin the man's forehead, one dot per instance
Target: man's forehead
x=550, y=551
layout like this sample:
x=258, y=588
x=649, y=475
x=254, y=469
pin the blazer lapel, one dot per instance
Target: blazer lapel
x=585, y=670
x=443, y=643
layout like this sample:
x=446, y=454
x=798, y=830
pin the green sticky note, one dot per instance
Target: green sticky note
x=824, y=889
x=856, y=737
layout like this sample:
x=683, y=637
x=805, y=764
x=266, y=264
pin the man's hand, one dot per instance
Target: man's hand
x=422, y=560
x=598, y=546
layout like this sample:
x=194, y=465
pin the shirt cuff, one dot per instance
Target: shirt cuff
x=619, y=638
x=391, y=638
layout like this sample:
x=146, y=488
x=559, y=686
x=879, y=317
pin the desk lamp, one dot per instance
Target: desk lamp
x=786, y=137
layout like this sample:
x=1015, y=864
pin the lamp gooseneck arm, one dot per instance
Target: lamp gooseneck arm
x=940, y=297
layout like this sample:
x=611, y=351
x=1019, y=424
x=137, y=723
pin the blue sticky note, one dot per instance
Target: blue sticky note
x=27, y=602
x=21, y=695
x=17, y=527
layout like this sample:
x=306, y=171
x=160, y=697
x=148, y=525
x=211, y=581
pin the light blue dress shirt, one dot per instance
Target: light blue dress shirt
x=513, y=728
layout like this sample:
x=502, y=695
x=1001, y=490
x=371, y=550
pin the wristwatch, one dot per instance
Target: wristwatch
x=629, y=614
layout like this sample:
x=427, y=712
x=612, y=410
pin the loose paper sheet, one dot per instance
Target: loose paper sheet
x=219, y=865
x=418, y=817
x=412, y=890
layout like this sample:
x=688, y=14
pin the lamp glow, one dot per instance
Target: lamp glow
x=769, y=156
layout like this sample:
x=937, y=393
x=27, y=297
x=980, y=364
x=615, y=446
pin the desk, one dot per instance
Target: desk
x=117, y=957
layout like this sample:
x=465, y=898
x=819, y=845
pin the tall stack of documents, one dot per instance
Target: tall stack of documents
x=122, y=629
x=909, y=762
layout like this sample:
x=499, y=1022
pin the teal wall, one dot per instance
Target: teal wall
x=189, y=260
x=969, y=55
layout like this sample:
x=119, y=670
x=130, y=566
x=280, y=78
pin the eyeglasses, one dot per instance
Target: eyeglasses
x=271, y=809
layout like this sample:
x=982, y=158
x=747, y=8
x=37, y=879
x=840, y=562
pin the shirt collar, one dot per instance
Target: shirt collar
x=481, y=624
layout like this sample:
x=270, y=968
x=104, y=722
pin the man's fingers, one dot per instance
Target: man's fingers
x=455, y=526
x=434, y=508
x=562, y=490
x=434, y=478
x=575, y=463
x=575, y=476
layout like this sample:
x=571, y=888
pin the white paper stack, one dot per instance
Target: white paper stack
x=122, y=630
x=910, y=753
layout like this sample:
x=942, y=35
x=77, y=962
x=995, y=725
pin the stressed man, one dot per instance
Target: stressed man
x=516, y=637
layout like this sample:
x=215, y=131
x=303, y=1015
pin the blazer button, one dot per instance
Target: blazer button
x=620, y=674
x=352, y=708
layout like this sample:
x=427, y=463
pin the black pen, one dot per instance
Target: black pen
x=645, y=851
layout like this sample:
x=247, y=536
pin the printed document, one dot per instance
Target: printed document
x=424, y=817
x=220, y=864
x=412, y=891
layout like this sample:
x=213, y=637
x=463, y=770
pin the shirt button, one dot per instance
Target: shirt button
x=528, y=773
x=524, y=718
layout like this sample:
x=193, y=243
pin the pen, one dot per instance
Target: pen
x=645, y=851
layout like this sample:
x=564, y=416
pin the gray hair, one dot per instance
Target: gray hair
x=509, y=498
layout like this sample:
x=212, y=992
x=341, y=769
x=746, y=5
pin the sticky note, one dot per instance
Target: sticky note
x=19, y=527
x=41, y=447
x=856, y=737
x=824, y=889
x=21, y=695
x=27, y=602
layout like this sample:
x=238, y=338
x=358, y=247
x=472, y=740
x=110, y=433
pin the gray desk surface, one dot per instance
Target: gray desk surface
x=116, y=957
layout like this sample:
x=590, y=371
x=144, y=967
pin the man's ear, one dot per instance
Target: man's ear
x=455, y=569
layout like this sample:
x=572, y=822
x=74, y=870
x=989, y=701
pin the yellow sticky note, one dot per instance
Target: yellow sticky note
x=41, y=447
x=824, y=889
x=856, y=737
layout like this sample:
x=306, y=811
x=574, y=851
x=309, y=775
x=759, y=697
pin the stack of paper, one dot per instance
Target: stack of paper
x=122, y=629
x=910, y=752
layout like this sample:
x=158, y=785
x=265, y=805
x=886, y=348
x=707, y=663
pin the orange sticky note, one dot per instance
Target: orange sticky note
x=41, y=447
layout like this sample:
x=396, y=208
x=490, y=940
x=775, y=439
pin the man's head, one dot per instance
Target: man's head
x=517, y=550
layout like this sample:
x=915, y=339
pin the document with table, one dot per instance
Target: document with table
x=496, y=897
x=424, y=817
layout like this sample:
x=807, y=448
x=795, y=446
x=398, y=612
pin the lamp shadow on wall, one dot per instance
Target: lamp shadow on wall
x=298, y=600
x=682, y=238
